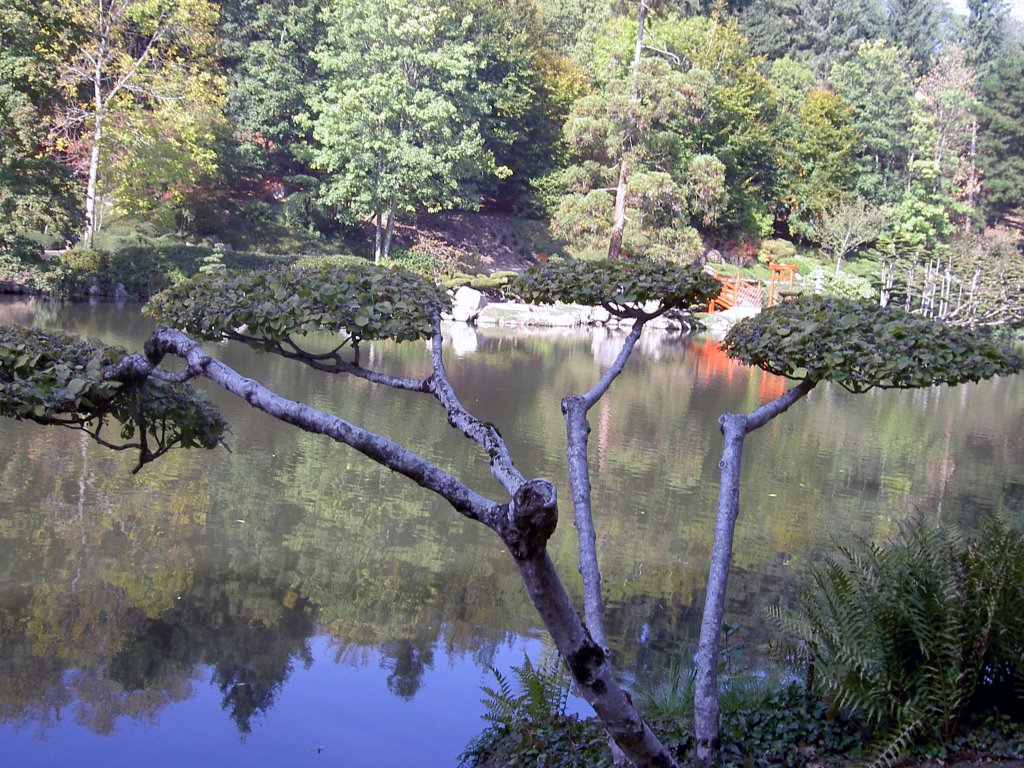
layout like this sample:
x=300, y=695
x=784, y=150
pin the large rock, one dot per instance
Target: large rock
x=466, y=304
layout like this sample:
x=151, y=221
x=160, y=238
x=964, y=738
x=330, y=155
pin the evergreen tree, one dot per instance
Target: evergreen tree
x=913, y=25
x=876, y=85
x=818, y=33
x=986, y=33
x=1001, y=140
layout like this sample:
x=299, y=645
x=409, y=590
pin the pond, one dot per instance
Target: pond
x=289, y=603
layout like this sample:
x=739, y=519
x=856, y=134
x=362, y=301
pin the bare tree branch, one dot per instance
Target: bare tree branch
x=577, y=432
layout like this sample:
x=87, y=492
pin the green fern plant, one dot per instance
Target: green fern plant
x=528, y=723
x=541, y=694
x=914, y=634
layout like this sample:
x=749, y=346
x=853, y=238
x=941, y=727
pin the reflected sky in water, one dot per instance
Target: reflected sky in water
x=250, y=607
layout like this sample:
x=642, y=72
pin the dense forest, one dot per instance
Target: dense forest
x=671, y=128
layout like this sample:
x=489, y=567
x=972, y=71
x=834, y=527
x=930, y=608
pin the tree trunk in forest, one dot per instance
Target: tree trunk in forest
x=378, y=236
x=735, y=427
x=91, y=213
x=619, y=215
x=389, y=231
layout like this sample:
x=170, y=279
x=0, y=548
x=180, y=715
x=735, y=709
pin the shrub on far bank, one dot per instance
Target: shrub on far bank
x=146, y=270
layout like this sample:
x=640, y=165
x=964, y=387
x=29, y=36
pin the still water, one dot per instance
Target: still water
x=289, y=603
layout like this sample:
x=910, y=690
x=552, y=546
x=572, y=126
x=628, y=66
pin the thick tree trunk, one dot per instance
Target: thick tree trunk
x=735, y=427
x=619, y=215
x=524, y=524
x=590, y=666
x=91, y=220
x=378, y=236
x=91, y=213
x=705, y=696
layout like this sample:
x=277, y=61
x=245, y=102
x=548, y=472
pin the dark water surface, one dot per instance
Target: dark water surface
x=289, y=603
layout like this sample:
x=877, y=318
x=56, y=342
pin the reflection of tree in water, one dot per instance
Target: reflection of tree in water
x=651, y=631
x=406, y=661
x=251, y=651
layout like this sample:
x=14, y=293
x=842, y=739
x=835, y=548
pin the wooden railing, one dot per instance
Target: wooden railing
x=737, y=292
x=740, y=291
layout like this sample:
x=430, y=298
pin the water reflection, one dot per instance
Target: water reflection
x=227, y=580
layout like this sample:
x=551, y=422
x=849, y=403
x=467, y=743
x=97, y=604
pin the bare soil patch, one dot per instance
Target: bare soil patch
x=492, y=241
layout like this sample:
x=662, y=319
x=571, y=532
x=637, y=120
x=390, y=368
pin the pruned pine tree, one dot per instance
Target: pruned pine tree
x=812, y=339
x=60, y=381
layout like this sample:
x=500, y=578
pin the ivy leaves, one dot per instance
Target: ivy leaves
x=860, y=346
x=621, y=286
x=268, y=307
x=59, y=379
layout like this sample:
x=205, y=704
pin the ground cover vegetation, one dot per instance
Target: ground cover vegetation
x=887, y=134
x=904, y=651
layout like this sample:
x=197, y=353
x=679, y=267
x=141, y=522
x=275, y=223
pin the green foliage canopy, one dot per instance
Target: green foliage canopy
x=59, y=379
x=363, y=303
x=619, y=285
x=397, y=123
x=861, y=346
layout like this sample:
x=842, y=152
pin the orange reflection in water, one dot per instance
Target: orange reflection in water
x=710, y=364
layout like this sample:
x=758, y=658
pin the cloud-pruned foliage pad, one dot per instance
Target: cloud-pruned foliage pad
x=361, y=302
x=860, y=346
x=621, y=286
x=59, y=379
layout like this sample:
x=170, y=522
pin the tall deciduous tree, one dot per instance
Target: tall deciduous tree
x=130, y=66
x=526, y=87
x=880, y=93
x=268, y=56
x=948, y=95
x=738, y=124
x=816, y=148
x=36, y=193
x=396, y=126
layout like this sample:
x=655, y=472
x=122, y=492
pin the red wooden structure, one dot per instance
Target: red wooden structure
x=740, y=291
x=782, y=279
x=737, y=292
